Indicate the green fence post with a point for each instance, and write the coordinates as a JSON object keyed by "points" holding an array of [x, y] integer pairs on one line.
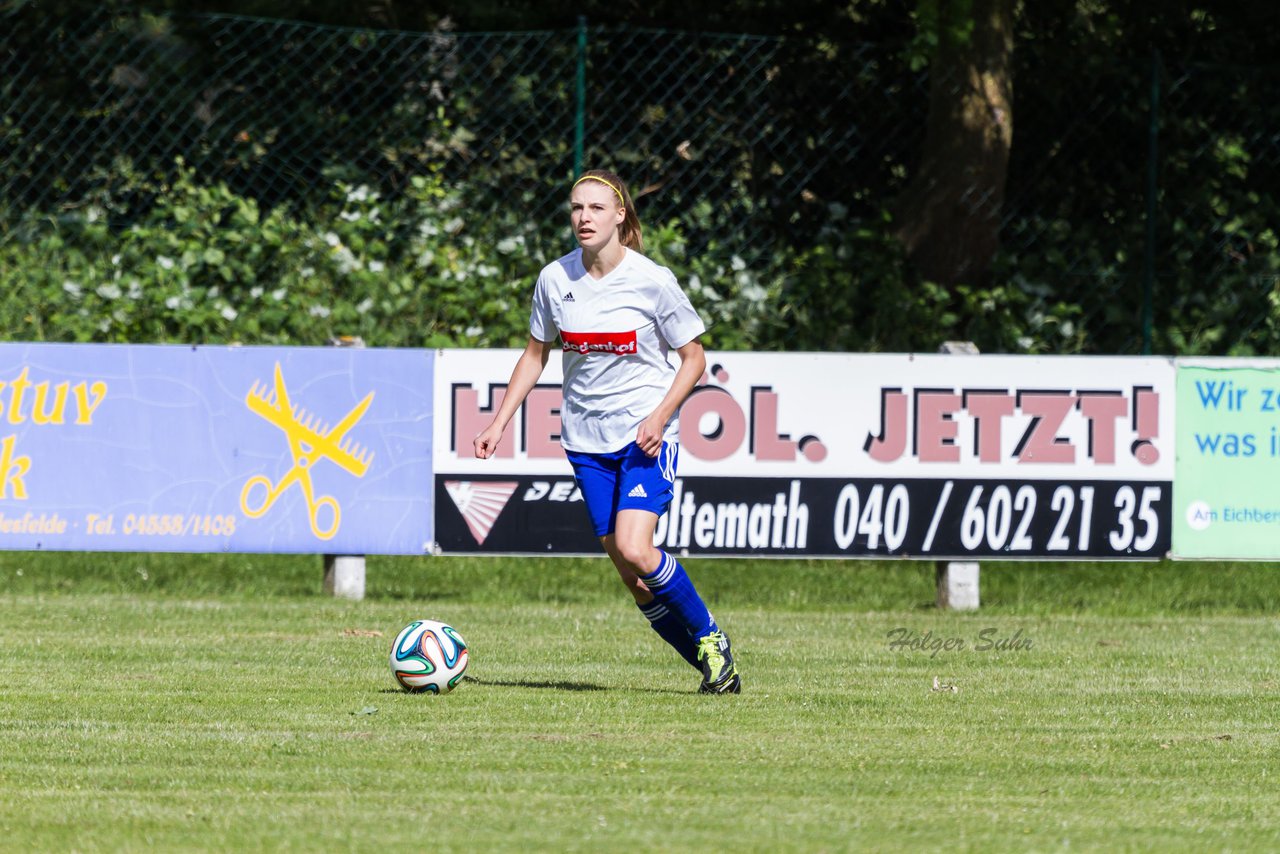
{"points": [[580, 107], [1149, 254]]}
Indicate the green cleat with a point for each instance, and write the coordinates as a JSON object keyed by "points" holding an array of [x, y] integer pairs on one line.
{"points": [[719, 675]]}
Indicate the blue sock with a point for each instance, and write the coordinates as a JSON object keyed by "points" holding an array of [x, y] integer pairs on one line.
{"points": [[671, 630], [671, 587]]}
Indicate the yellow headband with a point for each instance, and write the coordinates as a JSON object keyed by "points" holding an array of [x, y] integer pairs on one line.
{"points": [[621, 201]]}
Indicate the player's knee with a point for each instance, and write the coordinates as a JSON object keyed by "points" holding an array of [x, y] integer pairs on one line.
{"points": [[639, 555]]}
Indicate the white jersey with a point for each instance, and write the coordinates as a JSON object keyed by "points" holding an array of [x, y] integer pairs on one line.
{"points": [[616, 332]]}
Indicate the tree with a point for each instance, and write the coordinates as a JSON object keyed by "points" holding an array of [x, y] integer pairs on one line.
{"points": [[949, 215]]}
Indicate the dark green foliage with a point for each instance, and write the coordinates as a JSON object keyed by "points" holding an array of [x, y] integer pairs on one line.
{"points": [[204, 265], [212, 178]]}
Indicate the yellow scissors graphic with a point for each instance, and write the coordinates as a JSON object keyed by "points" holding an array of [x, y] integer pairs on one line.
{"points": [[309, 442]]}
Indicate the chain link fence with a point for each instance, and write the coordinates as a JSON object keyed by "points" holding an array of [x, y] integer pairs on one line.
{"points": [[1138, 208]]}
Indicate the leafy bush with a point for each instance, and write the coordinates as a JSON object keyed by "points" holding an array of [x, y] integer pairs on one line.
{"points": [[201, 264], [204, 265], [192, 261]]}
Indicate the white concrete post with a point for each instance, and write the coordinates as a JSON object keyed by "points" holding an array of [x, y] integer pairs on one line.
{"points": [[958, 585], [958, 580], [344, 574]]}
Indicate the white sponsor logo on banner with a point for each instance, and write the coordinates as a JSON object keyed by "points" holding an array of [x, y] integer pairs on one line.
{"points": [[480, 503]]}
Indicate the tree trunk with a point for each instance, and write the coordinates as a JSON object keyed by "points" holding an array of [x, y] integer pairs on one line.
{"points": [[949, 215]]}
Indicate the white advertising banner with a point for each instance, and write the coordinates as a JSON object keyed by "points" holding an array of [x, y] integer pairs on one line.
{"points": [[844, 454]]}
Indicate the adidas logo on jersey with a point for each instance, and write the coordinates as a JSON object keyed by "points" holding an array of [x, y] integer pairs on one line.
{"points": [[638, 492], [568, 297]]}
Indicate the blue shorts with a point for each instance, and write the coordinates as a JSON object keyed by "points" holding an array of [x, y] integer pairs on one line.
{"points": [[628, 479]]}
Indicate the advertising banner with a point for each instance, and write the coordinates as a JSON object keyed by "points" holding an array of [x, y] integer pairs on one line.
{"points": [[924, 456], [1227, 504], [202, 449]]}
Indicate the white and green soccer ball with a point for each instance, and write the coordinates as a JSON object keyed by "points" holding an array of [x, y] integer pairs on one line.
{"points": [[428, 656]]}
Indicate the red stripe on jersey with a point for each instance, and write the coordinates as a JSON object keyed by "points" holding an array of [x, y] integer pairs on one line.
{"points": [[617, 343]]}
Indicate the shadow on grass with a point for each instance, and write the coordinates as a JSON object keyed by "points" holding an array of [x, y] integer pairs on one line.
{"points": [[564, 685], [554, 686], [560, 685]]}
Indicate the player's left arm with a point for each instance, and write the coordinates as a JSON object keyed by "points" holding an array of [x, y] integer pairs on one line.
{"points": [[693, 361]]}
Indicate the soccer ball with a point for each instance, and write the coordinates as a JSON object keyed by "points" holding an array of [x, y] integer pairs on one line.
{"points": [[428, 655]]}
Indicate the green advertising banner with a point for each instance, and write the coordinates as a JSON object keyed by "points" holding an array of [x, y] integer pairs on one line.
{"points": [[1226, 484]]}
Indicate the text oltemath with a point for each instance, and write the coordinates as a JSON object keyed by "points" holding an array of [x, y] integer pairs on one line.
{"points": [[989, 639]]}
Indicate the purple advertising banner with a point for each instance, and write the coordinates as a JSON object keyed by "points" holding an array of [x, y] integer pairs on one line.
{"points": [[204, 449]]}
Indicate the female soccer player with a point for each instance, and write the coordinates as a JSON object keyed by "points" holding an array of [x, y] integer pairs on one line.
{"points": [[617, 315]]}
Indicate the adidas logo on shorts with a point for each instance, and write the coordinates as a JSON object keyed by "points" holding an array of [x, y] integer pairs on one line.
{"points": [[638, 492]]}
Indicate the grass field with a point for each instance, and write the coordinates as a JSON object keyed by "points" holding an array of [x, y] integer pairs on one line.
{"points": [[155, 702]]}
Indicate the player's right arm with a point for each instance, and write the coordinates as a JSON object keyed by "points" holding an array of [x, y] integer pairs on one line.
{"points": [[523, 378]]}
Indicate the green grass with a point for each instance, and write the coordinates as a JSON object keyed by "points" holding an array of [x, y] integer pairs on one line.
{"points": [[160, 702]]}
